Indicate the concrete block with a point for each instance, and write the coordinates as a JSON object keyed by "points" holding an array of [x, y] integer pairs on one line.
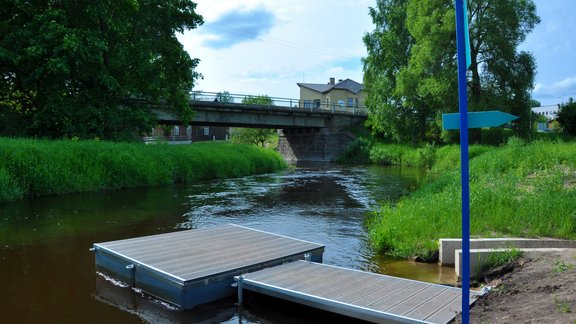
{"points": [[449, 246]]}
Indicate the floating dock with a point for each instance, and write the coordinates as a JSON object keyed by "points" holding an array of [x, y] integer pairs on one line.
{"points": [[193, 267], [367, 296]]}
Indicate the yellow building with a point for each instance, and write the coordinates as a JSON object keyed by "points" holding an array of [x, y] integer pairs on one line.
{"points": [[344, 93]]}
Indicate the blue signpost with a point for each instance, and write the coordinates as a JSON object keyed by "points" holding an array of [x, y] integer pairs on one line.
{"points": [[463, 51], [464, 120]]}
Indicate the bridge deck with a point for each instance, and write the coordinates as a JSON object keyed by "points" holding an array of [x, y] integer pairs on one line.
{"points": [[357, 294], [193, 267]]}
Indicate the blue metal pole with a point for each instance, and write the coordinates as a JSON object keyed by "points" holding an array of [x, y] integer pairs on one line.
{"points": [[464, 167]]}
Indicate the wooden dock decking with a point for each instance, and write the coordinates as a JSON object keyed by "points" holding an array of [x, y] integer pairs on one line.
{"points": [[367, 296], [193, 267]]}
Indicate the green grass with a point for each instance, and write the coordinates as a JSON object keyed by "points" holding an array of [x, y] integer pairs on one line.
{"points": [[39, 167], [561, 266], [519, 189], [561, 305], [496, 259]]}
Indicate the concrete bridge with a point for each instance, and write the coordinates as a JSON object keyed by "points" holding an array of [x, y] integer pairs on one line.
{"points": [[306, 133]]}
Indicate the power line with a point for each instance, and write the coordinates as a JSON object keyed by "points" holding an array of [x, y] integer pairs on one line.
{"points": [[285, 43]]}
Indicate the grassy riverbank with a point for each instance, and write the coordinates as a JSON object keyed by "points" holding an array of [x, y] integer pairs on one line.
{"points": [[38, 167], [519, 189]]}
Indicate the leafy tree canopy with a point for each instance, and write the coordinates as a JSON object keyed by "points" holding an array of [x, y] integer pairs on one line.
{"points": [[258, 100], [257, 136], [68, 68], [410, 71], [567, 117]]}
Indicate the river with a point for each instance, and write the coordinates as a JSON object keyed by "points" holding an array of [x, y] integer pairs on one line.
{"points": [[47, 271]]}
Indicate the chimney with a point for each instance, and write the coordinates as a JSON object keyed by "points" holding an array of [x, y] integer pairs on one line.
{"points": [[340, 80], [332, 81]]}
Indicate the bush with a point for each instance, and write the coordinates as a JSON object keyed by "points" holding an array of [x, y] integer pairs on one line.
{"points": [[357, 152]]}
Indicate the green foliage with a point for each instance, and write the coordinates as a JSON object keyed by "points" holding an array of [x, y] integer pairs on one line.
{"points": [[256, 136], [71, 68], [357, 152], [224, 97], [561, 266], [258, 100], [390, 154], [519, 189], [36, 167], [561, 305], [567, 117], [498, 258], [410, 71]]}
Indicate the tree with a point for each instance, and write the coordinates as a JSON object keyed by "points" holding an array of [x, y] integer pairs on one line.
{"points": [[224, 97], [70, 68], [257, 136], [258, 100], [567, 117], [388, 49], [410, 70]]}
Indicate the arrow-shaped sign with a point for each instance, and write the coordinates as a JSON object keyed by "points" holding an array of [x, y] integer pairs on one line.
{"points": [[477, 119]]}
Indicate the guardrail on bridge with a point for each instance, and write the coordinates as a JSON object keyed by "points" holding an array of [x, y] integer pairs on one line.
{"points": [[312, 105]]}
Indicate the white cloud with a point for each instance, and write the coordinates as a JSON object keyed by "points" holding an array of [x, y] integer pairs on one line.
{"points": [[565, 87], [311, 40]]}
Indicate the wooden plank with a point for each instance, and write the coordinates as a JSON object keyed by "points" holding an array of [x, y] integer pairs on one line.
{"points": [[190, 263], [380, 283], [195, 254], [446, 313], [356, 293], [290, 276], [415, 300], [433, 305]]}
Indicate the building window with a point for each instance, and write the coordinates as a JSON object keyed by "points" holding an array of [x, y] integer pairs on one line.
{"points": [[316, 103], [341, 103], [307, 103], [176, 130], [206, 131], [350, 102]]}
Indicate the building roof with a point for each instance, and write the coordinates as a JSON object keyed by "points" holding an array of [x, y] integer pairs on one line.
{"points": [[347, 84]]}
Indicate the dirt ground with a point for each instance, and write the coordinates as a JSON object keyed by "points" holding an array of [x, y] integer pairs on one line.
{"points": [[541, 288]]}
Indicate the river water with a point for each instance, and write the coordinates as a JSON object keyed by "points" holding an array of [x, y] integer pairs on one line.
{"points": [[47, 272]]}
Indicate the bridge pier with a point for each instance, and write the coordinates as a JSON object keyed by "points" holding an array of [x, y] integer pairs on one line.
{"points": [[312, 144]]}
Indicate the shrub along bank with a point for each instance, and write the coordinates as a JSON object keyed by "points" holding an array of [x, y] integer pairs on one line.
{"points": [[518, 189], [39, 167]]}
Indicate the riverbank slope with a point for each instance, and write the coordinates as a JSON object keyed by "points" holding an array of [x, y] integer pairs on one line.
{"points": [[516, 190], [30, 167]]}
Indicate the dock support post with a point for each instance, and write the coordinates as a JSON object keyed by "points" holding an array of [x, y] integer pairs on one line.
{"points": [[239, 280]]}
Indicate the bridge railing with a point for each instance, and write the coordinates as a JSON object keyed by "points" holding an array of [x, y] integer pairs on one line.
{"points": [[312, 105]]}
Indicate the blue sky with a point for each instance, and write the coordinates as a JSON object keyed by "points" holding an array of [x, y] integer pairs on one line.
{"points": [[266, 47]]}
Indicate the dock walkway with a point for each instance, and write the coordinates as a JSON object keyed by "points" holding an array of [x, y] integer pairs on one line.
{"points": [[193, 267], [363, 295]]}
